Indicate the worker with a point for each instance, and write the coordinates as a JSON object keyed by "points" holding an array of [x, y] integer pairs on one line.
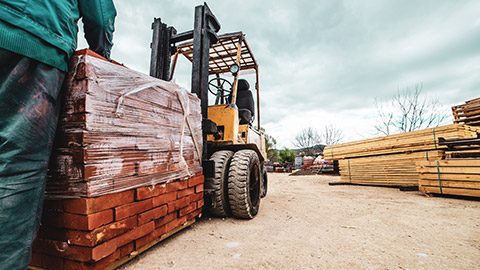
{"points": [[37, 39]]}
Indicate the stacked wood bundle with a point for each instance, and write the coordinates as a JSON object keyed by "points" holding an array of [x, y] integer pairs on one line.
{"points": [[468, 113], [93, 233], [453, 177], [390, 160], [385, 170], [121, 129]]}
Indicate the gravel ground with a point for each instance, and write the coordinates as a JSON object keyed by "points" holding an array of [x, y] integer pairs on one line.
{"points": [[304, 223]]}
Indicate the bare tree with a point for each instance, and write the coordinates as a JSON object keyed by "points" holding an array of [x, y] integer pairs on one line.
{"points": [[407, 111], [308, 140], [331, 135]]}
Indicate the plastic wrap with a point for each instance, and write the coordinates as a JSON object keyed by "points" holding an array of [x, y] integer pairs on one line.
{"points": [[121, 129]]}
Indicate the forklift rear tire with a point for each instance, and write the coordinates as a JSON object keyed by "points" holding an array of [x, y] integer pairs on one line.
{"points": [[264, 183], [244, 181], [218, 206]]}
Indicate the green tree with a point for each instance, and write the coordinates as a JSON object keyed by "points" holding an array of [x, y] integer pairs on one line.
{"points": [[270, 146], [286, 155]]}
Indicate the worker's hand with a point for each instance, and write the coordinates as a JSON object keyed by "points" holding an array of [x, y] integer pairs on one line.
{"points": [[98, 20]]}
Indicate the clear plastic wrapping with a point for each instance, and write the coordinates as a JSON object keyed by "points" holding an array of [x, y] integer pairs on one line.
{"points": [[121, 129]]}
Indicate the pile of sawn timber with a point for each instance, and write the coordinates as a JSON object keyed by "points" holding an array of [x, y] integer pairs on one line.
{"points": [[468, 113], [391, 160], [125, 171], [458, 174]]}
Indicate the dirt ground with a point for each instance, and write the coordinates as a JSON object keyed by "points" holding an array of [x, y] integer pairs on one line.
{"points": [[304, 223]]}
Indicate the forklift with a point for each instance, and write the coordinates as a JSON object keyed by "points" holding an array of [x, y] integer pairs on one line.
{"points": [[233, 148]]}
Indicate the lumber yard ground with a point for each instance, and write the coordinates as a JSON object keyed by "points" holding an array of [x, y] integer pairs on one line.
{"points": [[304, 223]]}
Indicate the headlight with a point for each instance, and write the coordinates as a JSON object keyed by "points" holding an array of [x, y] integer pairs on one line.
{"points": [[234, 69]]}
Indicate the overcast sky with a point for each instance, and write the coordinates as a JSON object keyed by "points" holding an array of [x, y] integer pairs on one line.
{"points": [[325, 61]]}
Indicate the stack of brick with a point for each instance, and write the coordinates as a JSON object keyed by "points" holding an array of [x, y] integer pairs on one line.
{"points": [[93, 233], [121, 129], [125, 171]]}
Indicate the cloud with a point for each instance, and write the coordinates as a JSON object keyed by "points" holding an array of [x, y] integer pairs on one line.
{"points": [[325, 61]]}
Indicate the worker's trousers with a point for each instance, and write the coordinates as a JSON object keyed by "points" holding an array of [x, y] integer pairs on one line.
{"points": [[29, 105]]}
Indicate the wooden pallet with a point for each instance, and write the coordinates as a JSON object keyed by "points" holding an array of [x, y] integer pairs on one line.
{"points": [[453, 177], [468, 113], [421, 140]]}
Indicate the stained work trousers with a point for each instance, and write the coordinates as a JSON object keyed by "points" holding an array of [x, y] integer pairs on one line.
{"points": [[29, 106]]}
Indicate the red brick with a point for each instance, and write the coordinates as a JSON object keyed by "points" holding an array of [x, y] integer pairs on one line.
{"points": [[199, 189], [195, 181], [185, 192], [79, 222], [175, 205], [152, 214], [178, 185], [175, 223], [102, 264], [195, 197], [148, 192], [55, 205], [131, 209], [36, 259], [166, 219], [164, 199], [72, 252], [134, 234], [92, 205], [200, 203], [98, 171], [143, 241], [187, 210], [127, 249], [52, 262], [102, 234], [194, 214]]}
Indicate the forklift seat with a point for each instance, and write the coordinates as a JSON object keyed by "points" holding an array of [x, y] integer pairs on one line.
{"points": [[245, 102]]}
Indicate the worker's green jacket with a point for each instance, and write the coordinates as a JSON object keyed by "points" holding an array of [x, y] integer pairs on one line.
{"points": [[46, 30]]}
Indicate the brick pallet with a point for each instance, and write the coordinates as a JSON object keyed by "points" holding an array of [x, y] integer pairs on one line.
{"points": [[468, 113], [93, 233], [121, 129], [125, 171], [453, 177]]}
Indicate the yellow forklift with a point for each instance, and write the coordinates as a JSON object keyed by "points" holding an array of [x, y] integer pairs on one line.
{"points": [[233, 148]]}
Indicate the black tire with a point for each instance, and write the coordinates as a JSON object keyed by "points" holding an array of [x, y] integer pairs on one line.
{"points": [[217, 203], [244, 184], [264, 183]]}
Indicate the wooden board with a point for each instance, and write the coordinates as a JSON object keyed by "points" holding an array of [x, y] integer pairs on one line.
{"points": [[453, 176], [421, 140], [467, 113], [387, 170]]}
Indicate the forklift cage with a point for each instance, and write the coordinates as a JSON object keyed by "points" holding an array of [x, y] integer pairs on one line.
{"points": [[231, 48]]}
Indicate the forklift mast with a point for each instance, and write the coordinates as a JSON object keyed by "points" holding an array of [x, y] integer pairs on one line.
{"points": [[204, 35]]}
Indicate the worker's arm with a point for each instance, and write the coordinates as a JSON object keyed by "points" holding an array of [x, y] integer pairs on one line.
{"points": [[98, 21]]}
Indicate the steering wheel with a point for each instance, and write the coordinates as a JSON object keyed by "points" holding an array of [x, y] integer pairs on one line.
{"points": [[221, 88]]}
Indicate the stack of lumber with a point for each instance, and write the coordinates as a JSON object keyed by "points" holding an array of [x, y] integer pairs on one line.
{"points": [[468, 113], [93, 233], [390, 160], [125, 171], [385, 170], [121, 129], [453, 177]]}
